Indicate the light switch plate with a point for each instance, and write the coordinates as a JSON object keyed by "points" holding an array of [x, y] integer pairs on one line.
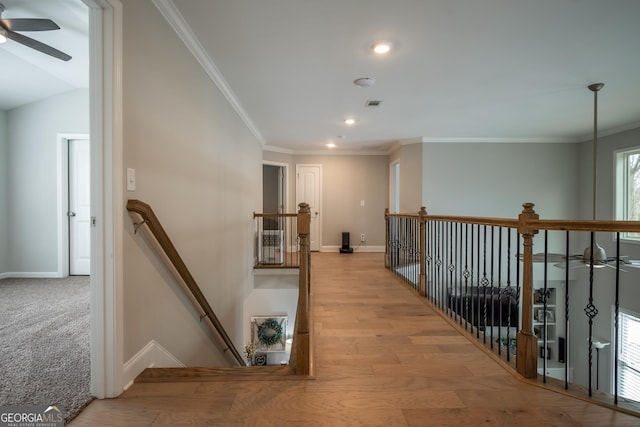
{"points": [[131, 179]]}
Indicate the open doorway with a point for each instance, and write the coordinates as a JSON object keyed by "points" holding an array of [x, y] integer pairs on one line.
{"points": [[274, 187]]}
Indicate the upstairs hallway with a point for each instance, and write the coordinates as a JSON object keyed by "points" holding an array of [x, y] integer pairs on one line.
{"points": [[383, 357]]}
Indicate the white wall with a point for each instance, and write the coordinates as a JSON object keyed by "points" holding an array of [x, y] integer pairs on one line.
{"points": [[482, 179], [32, 175], [277, 297], [200, 169], [4, 196]]}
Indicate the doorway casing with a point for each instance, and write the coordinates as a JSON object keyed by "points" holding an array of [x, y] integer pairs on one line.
{"points": [[107, 205]]}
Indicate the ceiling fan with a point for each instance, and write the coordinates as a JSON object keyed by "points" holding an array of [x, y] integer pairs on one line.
{"points": [[8, 28], [578, 260]]}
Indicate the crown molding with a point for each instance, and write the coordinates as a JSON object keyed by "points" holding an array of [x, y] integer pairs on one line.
{"points": [[179, 25]]}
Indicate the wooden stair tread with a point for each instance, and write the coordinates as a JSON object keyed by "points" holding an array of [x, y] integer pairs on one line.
{"points": [[205, 374]]}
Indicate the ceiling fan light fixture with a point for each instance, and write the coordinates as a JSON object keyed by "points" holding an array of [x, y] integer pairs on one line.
{"points": [[599, 256]]}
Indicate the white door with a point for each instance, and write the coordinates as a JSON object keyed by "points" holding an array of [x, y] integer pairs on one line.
{"points": [[308, 190], [79, 212]]}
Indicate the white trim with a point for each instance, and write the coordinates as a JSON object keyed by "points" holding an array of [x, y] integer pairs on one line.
{"points": [[150, 356], [362, 249], [28, 275], [105, 87], [62, 162], [179, 25]]}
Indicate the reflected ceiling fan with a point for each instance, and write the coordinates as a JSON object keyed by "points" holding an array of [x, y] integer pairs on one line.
{"points": [[578, 261], [8, 28]]}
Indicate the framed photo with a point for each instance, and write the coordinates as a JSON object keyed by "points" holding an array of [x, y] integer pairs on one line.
{"points": [[269, 333], [540, 315], [551, 316]]}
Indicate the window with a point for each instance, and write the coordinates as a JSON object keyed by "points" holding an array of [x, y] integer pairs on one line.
{"points": [[629, 356], [628, 188]]}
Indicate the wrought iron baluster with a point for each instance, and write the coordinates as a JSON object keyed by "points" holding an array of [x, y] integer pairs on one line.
{"points": [[591, 311]]}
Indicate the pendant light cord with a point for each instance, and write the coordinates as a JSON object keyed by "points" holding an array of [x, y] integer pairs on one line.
{"points": [[595, 149], [595, 87]]}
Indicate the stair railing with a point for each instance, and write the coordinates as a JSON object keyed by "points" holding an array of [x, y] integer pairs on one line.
{"points": [[200, 302], [302, 347], [483, 275]]}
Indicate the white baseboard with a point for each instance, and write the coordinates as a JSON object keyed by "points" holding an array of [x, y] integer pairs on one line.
{"points": [[355, 249], [32, 275], [152, 355]]}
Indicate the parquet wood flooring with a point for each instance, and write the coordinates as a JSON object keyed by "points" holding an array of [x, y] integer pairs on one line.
{"points": [[382, 358]]}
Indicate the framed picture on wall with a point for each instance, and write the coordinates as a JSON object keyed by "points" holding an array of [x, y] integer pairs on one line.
{"points": [[269, 333], [551, 316]]}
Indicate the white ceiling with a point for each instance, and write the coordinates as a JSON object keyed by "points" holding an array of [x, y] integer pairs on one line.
{"points": [[27, 75], [461, 70]]}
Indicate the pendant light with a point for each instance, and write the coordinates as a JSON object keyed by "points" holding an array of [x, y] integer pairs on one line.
{"points": [[599, 255]]}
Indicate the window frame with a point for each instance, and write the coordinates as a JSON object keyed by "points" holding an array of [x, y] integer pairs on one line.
{"points": [[621, 190]]}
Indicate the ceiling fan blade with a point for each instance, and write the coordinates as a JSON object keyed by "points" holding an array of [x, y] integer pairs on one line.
{"points": [[29, 24], [39, 46]]}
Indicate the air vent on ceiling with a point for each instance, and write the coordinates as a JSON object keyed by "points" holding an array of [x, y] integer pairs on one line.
{"points": [[373, 103]]}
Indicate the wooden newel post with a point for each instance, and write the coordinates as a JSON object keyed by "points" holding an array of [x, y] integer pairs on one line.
{"points": [[527, 342], [303, 338], [422, 287]]}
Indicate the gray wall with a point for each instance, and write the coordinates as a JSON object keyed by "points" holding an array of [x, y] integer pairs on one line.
{"points": [[604, 278], [411, 172], [346, 180], [4, 196], [200, 169], [32, 176], [495, 179]]}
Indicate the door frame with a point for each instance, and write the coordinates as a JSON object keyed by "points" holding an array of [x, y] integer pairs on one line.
{"points": [[107, 197], [319, 207], [285, 166], [62, 200]]}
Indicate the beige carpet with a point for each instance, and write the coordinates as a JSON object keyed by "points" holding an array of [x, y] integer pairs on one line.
{"points": [[44, 343]]}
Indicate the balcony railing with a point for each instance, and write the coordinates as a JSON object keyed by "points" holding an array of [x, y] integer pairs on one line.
{"points": [[552, 315], [277, 243], [282, 241]]}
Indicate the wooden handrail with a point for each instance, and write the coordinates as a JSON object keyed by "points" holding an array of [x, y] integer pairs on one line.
{"points": [[528, 225], [271, 215], [149, 218]]}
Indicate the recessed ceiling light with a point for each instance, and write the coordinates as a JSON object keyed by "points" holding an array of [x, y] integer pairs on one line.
{"points": [[331, 145], [364, 81], [349, 121], [381, 47]]}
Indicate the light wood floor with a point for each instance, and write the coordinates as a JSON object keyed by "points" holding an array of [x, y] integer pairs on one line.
{"points": [[382, 358]]}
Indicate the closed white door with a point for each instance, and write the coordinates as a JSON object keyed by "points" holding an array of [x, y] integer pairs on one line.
{"points": [[308, 190], [79, 212]]}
